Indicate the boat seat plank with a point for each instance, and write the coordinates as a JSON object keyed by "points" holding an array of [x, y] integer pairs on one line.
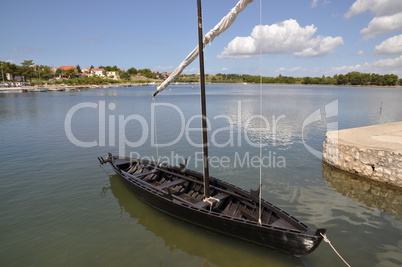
{"points": [[193, 179], [249, 215], [221, 196], [172, 183], [142, 174], [133, 169]]}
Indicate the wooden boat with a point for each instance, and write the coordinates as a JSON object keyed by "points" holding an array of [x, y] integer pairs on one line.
{"points": [[178, 192], [207, 201]]}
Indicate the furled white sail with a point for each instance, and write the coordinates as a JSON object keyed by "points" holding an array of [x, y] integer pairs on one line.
{"points": [[222, 26]]}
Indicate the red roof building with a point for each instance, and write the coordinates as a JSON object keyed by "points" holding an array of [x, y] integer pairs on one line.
{"points": [[66, 68]]}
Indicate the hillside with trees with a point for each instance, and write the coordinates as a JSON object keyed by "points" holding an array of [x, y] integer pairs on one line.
{"points": [[38, 74]]}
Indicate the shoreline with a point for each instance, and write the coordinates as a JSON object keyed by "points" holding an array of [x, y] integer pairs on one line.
{"points": [[60, 87]]}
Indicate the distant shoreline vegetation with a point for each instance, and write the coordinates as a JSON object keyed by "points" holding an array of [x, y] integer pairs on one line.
{"points": [[40, 75], [351, 78]]}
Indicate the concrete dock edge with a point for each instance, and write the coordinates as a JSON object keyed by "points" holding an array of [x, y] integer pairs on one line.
{"points": [[374, 152]]}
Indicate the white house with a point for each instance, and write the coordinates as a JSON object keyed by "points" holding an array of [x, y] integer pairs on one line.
{"points": [[98, 72], [113, 75]]}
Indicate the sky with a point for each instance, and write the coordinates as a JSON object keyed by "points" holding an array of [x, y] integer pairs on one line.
{"points": [[296, 37]]}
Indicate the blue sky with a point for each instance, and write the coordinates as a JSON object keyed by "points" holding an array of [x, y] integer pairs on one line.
{"points": [[299, 37]]}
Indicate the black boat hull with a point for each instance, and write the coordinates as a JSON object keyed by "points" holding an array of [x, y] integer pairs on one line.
{"points": [[289, 241]]}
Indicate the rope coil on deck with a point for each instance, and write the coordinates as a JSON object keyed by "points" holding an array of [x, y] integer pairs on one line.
{"points": [[337, 253]]}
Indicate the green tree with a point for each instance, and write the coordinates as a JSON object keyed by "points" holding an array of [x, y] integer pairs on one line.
{"points": [[306, 80], [390, 79], [10, 68], [147, 73], [46, 73], [132, 71], [59, 72], [26, 71], [354, 78], [375, 79], [70, 72], [110, 68], [125, 76], [341, 79]]}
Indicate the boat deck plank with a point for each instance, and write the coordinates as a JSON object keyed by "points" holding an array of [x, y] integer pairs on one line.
{"points": [[171, 184]]}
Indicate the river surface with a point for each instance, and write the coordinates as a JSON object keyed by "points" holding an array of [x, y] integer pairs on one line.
{"points": [[59, 208]]}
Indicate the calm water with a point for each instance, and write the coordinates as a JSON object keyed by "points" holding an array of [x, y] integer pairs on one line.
{"points": [[58, 208]]}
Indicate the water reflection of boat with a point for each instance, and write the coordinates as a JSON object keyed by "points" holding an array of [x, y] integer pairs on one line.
{"points": [[373, 194], [179, 236]]}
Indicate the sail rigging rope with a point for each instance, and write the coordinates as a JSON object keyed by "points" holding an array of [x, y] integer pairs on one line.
{"points": [[261, 145], [337, 253], [222, 26]]}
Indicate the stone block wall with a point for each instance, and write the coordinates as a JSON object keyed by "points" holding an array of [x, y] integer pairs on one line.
{"points": [[376, 164]]}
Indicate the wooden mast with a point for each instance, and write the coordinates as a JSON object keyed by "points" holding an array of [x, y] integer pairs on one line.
{"points": [[203, 102]]}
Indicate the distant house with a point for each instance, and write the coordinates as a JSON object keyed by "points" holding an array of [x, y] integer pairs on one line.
{"points": [[65, 68], [85, 70], [98, 72], [113, 75], [166, 74]]}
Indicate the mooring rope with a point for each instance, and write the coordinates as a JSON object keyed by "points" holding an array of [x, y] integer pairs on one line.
{"points": [[337, 253], [100, 165]]}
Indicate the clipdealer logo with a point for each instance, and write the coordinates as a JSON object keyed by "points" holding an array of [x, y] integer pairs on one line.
{"points": [[330, 110], [244, 129], [240, 131]]}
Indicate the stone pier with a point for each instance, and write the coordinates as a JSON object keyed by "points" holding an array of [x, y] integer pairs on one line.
{"points": [[374, 152]]}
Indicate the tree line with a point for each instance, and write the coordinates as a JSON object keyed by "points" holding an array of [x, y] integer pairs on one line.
{"points": [[351, 78], [28, 70]]}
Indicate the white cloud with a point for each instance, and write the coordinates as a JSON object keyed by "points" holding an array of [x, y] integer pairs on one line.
{"points": [[297, 70], [384, 24], [164, 68], [388, 16], [391, 46], [360, 53], [383, 66], [286, 37], [378, 7], [315, 3]]}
